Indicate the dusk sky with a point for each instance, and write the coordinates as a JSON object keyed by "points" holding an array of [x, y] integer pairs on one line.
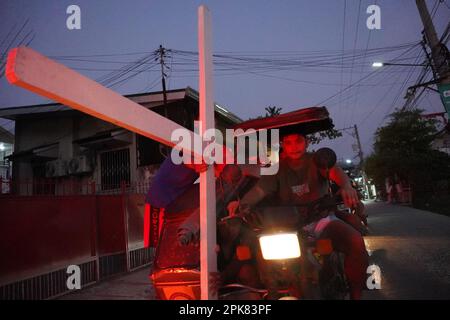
{"points": [[114, 33]]}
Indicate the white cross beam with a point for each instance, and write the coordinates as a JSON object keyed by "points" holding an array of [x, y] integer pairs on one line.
{"points": [[30, 70]]}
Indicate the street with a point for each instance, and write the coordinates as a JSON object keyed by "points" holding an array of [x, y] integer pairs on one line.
{"points": [[410, 246], [132, 286], [89, 114]]}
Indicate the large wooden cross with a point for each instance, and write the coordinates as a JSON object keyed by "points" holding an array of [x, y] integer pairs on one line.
{"points": [[29, 69]]}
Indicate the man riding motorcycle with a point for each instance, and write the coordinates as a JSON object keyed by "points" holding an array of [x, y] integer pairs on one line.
{"points": [[298, 182]]}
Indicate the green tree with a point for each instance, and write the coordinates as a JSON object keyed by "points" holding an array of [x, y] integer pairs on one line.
{"points": [[403, 147], [328, 134], [272, 111], [313, 138]]}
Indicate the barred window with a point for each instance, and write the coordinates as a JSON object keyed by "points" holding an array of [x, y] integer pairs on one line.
{"points": [[115, 168]]}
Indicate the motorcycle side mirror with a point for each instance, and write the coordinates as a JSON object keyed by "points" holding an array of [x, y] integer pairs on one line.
{"points": [[325, 158]]}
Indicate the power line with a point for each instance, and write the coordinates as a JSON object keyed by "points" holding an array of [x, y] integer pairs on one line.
{"points": [[405, 82], [126, 68], [97, 60], [121, 81], [25, 39], [385, 76], [124, 71], [383, 97], [362, 78], [409, 94], [343, 47], [445, 3], [392, 106], [170, 70], [435, 8], [62, 57], [354, 46], [7, 36], [185, 62], [15, 37], [364, 61], [151, 85]]}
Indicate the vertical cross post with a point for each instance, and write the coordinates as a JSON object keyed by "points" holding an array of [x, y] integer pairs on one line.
{"points": [[208, 259], [30, 70]]}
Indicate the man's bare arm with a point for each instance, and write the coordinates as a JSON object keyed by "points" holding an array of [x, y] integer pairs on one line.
{"points": [[348, 193], [255, 195], [251, 198]]}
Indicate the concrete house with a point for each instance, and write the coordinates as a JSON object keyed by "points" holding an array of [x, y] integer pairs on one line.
{"points": [[58, 149], [6, 149]]}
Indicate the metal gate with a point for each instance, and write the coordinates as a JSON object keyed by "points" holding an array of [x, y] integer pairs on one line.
{"points": [[40, 236]]}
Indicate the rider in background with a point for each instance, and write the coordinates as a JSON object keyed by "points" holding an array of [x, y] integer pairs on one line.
{"points": [[174, 190]]}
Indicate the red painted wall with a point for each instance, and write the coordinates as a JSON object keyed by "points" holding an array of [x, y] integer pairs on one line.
{"points": [[111, 229], [40, 234]]}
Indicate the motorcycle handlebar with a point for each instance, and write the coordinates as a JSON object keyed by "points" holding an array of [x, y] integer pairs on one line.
{"points": [[252, 216]]}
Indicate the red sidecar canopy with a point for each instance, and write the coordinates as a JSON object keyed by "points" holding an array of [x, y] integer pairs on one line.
{"points": [[304, 121]]}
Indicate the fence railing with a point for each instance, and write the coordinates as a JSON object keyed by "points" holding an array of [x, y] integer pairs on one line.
{"points": [[67, 188], [101, 234]]}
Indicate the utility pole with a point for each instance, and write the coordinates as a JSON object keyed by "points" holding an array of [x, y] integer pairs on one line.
{"points": [[162, 55], [361, 159], [360, 152], [437, 50], [429, 60], [355, 135], [439, 54]]}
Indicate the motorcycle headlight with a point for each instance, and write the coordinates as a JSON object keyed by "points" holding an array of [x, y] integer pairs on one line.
{"points": [[279, 246]]}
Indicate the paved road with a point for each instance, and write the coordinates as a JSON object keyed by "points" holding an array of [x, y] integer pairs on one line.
{"points": [[410, 246], [412, 249], [132, 286]]}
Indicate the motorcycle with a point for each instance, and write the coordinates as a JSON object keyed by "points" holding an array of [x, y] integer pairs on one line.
{"points": [[291, 262]]}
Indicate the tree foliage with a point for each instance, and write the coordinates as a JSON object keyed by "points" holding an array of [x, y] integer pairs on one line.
{"points": [[328, 134], [404, 148], [313, 138], [272, 111]]}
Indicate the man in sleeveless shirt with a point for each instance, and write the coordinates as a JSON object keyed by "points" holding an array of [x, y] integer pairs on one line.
{"points": [[298, 182]]}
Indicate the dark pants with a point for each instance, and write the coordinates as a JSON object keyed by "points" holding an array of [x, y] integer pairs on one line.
{"points": [[234, 270], [347, 240]]}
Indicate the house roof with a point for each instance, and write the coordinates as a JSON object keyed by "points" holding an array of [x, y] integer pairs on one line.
{"points": [[152, 99], [38, 152]]}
